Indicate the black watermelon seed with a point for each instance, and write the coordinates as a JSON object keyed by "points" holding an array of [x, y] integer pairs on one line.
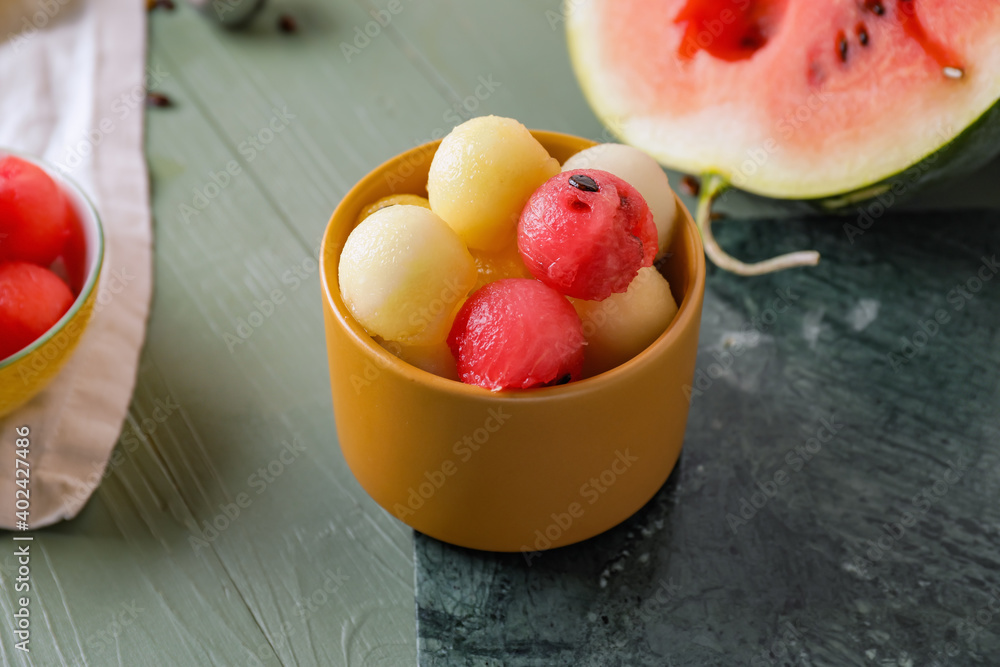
{"points": [[877, 8], [842, 49], [862, 35], [563, 380], [583, 182]]}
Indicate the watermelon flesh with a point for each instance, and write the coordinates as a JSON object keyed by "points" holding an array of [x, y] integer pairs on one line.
{"points": [[825, 98], [586, 241], [792, 99]]}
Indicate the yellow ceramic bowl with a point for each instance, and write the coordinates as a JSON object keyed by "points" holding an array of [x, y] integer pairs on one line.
{"points": [[518, 470], [28, 372]]}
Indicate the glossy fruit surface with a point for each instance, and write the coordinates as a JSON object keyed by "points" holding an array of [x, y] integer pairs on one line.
{"points": [[32, 299], [641, 172], [404, 274], [586, 240], [493, 266], [516, 334], [34, 213], [623, 325], [481, 176]]}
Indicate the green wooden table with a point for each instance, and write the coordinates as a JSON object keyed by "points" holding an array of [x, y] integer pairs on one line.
{"points": [[232, 533]]}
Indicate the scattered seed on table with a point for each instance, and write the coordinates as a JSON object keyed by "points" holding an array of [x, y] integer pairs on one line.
{"points": [[158, 100], [287, 24], [690, 185]]}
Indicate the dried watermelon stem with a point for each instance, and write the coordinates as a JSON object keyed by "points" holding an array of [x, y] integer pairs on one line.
{"points": [[712, 186]]}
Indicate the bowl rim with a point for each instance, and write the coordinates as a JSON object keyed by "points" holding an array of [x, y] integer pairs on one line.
{"points": [[93, 220], [329, 273]]}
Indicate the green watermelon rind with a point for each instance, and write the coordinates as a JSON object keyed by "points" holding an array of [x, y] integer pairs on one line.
{"points": [[972, 148], [975, 145]]}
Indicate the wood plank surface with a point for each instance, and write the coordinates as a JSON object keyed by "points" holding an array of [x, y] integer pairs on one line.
{"points": [[160, 568], [232, 411]]}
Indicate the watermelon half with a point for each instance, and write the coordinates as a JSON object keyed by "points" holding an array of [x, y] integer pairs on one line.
{"points": [[833, 102]]}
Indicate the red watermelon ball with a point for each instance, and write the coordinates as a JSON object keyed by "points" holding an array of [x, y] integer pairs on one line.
{"points": [[32, 299], [586, 233], [34, 213], [517, 333]]}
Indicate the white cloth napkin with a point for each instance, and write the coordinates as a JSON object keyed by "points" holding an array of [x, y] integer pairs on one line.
{"points": [[73, 76]]}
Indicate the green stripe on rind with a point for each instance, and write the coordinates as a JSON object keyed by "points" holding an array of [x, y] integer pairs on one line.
{"points": [[971, 149]]}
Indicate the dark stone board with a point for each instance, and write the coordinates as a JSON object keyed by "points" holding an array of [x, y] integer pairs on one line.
{"points": [[837, 501]]}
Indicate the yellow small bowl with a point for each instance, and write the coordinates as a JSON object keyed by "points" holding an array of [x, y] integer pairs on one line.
{"points": [[30, 370], [517, 470]]}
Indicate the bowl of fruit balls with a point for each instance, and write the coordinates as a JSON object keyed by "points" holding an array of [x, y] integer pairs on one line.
{"points": [[512, 322], [51, 249]]}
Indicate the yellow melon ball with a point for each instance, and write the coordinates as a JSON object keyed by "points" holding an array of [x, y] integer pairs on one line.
{"points": [[481, 176], [623, 325], [493, 266], [404, 274], [392, 200], [436, 358]]}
